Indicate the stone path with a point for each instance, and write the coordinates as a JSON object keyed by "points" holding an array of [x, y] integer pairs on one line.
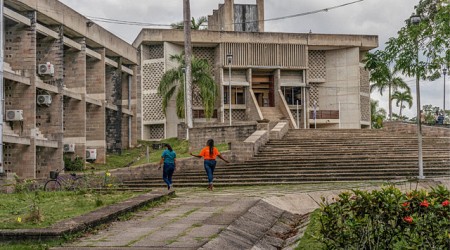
{"points": [[196, 216]]}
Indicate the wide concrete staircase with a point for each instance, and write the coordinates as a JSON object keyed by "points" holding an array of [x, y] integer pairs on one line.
{"points": [[273, 114], [305, 156]]}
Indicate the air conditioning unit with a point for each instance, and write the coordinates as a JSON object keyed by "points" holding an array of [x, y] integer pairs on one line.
{"points": [[69, 148], [46, 69], [91, 155], [44, 100], [14, 115]]}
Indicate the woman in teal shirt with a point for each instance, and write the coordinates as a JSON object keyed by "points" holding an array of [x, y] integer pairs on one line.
{"points": [[168, 157]]}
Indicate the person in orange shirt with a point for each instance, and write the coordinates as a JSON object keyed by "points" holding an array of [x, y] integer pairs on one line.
{"points": [[209, 154]]}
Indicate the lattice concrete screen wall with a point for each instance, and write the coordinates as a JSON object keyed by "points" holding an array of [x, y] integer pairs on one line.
{"points": [[236, 115], [154, 131], [365, 108], [364, 80], [207, 54], [154, 52], [151, 101], [313, 94], [317, 68]]}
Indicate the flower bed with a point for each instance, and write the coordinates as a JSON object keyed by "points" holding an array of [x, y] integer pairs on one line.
{"points": [[387, 219]]}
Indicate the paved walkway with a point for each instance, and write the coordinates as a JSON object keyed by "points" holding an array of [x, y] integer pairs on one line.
{"points": [[197, 216]]}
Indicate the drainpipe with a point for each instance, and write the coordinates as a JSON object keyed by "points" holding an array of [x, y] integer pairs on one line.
{"points": [[129, 108], [1, 86]]}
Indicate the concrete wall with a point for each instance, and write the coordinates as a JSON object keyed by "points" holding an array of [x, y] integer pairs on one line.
{"points": [[78, 89], [219, 133], [411, 128], [342, 85]]}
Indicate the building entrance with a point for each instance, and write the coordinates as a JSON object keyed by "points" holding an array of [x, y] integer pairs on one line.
{"points": [[263, 87]]}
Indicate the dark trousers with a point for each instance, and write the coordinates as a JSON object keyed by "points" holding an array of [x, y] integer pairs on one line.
{"points": [[210, 165], [168, 170]]}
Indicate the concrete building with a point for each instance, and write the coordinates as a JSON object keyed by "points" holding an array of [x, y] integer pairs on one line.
{"points": [[290, 76], [70, 87]]}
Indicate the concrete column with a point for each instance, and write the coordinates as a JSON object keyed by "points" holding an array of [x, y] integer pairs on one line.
{"points": [[260, 6], [95, 114]]}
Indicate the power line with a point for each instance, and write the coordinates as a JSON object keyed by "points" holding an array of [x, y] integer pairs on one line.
{"points": [[125, 22]]}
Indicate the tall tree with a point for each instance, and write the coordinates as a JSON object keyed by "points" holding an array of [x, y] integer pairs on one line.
{"points": [[402, 97], [198, 24], [187, 61], [377, 115], [383, 76], [172, 83], [428, 40]]}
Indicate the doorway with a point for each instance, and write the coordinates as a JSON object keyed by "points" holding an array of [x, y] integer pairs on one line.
{"points": [[263, 87]]}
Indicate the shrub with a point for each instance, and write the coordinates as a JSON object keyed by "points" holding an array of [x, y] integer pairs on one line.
{"points": [[76, 164], [387, 219]]}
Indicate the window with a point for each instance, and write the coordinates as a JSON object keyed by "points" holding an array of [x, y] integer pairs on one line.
{"points": [[292, 95], [237, 97]]}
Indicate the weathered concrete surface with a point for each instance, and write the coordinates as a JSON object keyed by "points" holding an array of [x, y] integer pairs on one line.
{"points": [[257, 217]]}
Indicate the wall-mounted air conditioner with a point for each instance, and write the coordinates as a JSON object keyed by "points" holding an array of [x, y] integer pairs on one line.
{"points": [[14, 115], [44, 99], [91, 155], [46, 69], [69, 148]]}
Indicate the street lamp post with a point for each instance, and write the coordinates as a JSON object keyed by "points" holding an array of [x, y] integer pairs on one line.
{"points": [[415, 20], [444, 72], [229, 61]]}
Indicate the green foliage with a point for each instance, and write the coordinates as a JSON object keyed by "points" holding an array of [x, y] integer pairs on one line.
{"points": [[195, 24], [383, 76], [430, 38], [50, 207], [402, 97], [387, 219], [377, 115], [77, 164], [311, 237], [24, 185], [173, 80]]}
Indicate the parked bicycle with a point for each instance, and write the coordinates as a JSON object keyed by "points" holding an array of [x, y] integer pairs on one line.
{"points": [[59, 182]]}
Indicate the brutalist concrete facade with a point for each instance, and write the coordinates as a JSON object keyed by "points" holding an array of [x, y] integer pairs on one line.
{"points": [[70, 86], [310, 80]]}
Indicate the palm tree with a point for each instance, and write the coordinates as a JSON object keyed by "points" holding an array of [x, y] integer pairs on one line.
{"points": [[173, 82], [401, 97], [376, 115], [383, 76], [195, 25]]}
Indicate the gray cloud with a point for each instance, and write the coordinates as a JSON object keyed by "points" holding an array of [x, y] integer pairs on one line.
{"points": [[374, 17]]}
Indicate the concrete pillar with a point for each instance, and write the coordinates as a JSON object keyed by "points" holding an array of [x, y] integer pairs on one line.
{"points": [[96, 115], [260, 6]]}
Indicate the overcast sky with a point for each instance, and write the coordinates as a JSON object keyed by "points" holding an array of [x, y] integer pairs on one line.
{"points": [[373, 17]]}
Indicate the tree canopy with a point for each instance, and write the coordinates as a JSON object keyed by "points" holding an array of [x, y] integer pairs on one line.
{"points": [[172, 83], [195, 24]]}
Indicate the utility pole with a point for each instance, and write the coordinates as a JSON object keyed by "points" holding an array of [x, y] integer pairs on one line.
{"points": [[187, 60], [2, 27]]}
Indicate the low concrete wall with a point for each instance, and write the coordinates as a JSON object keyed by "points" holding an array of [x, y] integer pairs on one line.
{"points": [[411, 128], [244, 151], [279, 130], [151, 169], [220, 133]]}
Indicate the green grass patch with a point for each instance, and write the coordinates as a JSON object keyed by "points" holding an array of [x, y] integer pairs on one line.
{"points": [[42, 209], [310, 240], [138, 156], [30, 244]]}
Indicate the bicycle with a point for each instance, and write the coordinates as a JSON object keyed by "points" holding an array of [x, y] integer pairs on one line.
{"points": [[58, 182]]}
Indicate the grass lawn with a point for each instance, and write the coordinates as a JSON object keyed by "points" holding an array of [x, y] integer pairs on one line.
{"points": [[309, 240], [16, 210], [137, 156]]}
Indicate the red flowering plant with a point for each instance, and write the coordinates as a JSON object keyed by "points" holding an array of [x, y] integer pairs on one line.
{"points": [[387, 219]]}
